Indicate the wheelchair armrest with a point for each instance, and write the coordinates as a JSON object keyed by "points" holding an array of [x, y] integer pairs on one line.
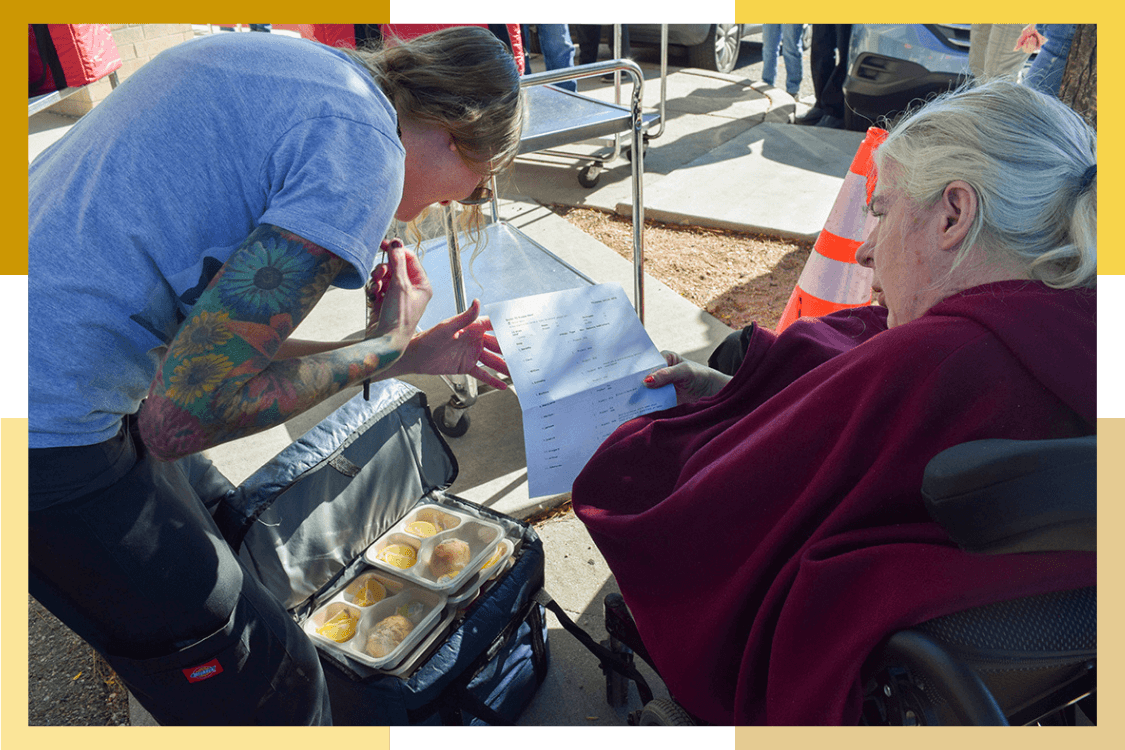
{"points": [[1003, 496]]}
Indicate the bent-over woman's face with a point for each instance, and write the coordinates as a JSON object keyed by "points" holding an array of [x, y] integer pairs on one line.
{"points": [[435, 170]]}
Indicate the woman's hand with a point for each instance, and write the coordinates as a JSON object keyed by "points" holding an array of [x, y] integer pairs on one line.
{"points": [[461, 345], [397, 294], [692, 381]]}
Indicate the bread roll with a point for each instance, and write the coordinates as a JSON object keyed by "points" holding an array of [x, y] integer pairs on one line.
{"points": [[388, 634], [449, 557]]}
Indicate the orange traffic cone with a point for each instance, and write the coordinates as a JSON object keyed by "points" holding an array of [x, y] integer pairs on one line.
{"points": [[831, 279]]}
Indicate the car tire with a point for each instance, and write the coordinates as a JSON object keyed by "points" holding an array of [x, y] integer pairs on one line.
{"points": [[719, 51]]}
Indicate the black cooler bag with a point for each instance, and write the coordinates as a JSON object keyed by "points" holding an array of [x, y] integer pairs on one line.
{"points": [[303, 523]]}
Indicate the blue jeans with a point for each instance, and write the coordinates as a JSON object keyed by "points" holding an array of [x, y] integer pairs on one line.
{"points": [[1047, 68], [558, 49], [788, 37]]}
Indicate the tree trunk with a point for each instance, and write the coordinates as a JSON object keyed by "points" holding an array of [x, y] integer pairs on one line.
{"points": [[1080, 77]]}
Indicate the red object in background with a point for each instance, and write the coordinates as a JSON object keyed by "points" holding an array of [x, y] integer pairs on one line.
{"points": [[68, 55], [405, 31], [332, 34], [39, 78], [86, 50], [343, 35]]}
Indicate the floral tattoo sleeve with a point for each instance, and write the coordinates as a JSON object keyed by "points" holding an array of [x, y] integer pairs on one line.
{"points": [[219, 379]]}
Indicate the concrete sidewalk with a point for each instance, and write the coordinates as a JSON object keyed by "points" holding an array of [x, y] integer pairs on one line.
{"points": [[727, 157]]}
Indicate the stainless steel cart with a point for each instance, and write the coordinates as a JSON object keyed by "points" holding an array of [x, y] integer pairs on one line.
{"points": [[512, 264], [558, 121]]}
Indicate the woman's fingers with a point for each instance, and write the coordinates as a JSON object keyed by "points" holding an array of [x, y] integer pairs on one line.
{"points": [[487, 377], [488, 359]]}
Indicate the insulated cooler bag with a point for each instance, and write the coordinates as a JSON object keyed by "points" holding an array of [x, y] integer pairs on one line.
{"points": [[324, 524]]}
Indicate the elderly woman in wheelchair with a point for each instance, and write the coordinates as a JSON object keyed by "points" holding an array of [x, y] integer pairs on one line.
{"points": [[771, 534]]}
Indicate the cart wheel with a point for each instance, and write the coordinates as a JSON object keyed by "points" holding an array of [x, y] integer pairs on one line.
{"points": [[644, 148], [456, 430], [588, 177], [664, 713]]}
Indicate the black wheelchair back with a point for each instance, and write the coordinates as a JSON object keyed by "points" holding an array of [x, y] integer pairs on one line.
{"points": [[1026, 661]]}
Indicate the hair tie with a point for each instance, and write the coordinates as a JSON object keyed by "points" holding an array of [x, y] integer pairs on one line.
{"points": [[1088, 177]]}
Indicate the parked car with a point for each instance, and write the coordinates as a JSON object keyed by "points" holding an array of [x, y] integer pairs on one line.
{"points": [[891, 66], [713, 46]]}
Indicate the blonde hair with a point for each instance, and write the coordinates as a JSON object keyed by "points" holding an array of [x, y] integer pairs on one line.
{"points": [[1032, 162], [464, 80]]}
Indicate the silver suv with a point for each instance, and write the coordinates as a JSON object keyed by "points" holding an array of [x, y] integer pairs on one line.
{"points": [[891, 66]]}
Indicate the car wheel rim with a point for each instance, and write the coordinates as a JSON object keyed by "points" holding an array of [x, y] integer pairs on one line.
{"points": [[726, 45]]}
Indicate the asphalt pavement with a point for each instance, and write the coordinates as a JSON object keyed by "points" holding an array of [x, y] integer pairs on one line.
{"points": [[726, 156]]}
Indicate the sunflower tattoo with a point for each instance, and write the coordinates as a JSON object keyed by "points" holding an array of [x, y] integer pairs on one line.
{"points": [[219, 380], [205, 332], [196, 377], [266, 279]]}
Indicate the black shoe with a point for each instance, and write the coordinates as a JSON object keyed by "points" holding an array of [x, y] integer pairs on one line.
{"points": [[811, 117], [830, 121]]}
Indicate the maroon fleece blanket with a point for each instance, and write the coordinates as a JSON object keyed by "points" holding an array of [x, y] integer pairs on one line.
{"points": [[766, 539]]}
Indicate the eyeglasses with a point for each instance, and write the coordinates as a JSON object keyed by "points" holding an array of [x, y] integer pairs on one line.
{"points": [[480, 196]]}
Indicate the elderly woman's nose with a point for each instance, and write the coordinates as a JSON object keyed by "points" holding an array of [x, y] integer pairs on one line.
{"points": [[863, 254]]}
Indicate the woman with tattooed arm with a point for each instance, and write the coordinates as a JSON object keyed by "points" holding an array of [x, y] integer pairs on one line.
{"points": [[179, 233]]}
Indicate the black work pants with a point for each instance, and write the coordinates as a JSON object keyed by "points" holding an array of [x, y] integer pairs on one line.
{"points": [[137, 567]]}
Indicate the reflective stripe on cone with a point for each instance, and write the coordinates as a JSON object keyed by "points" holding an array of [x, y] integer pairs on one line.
{"points": [[831, 279]]}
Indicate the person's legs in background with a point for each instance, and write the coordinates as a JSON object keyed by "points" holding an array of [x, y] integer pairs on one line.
{"points": [[822, 61], [558, 49], [992, 50], [589, 42], [791, 51], [831, 97], [1046, 71], [771, 42]]}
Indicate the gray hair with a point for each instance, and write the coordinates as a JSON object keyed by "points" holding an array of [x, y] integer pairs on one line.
{"points": [[1032, 162]]}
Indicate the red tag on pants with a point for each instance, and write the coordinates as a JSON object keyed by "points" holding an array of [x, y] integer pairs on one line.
{"points": [[203, 671]]}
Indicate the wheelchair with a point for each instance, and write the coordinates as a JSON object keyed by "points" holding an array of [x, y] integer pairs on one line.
{"points": [[1020, 662]]}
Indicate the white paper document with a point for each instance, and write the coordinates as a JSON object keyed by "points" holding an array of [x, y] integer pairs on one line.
{"points": [[577, 359]]}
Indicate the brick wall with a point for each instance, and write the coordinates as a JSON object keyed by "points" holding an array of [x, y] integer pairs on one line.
{"points": [[137, 43]]}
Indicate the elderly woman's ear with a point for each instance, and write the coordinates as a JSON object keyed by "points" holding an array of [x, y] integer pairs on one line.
{"points": [[958, 205]]}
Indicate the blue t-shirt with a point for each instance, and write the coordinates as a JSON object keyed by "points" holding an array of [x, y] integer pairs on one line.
{"points": [[134, 211]]}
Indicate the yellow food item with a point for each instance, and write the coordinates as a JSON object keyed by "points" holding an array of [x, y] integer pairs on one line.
{"points": [[399, 555], [421, 528], [496, 555], [450, 556], [370, 593], [441, 521], [340, 627], [388, 634]]}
